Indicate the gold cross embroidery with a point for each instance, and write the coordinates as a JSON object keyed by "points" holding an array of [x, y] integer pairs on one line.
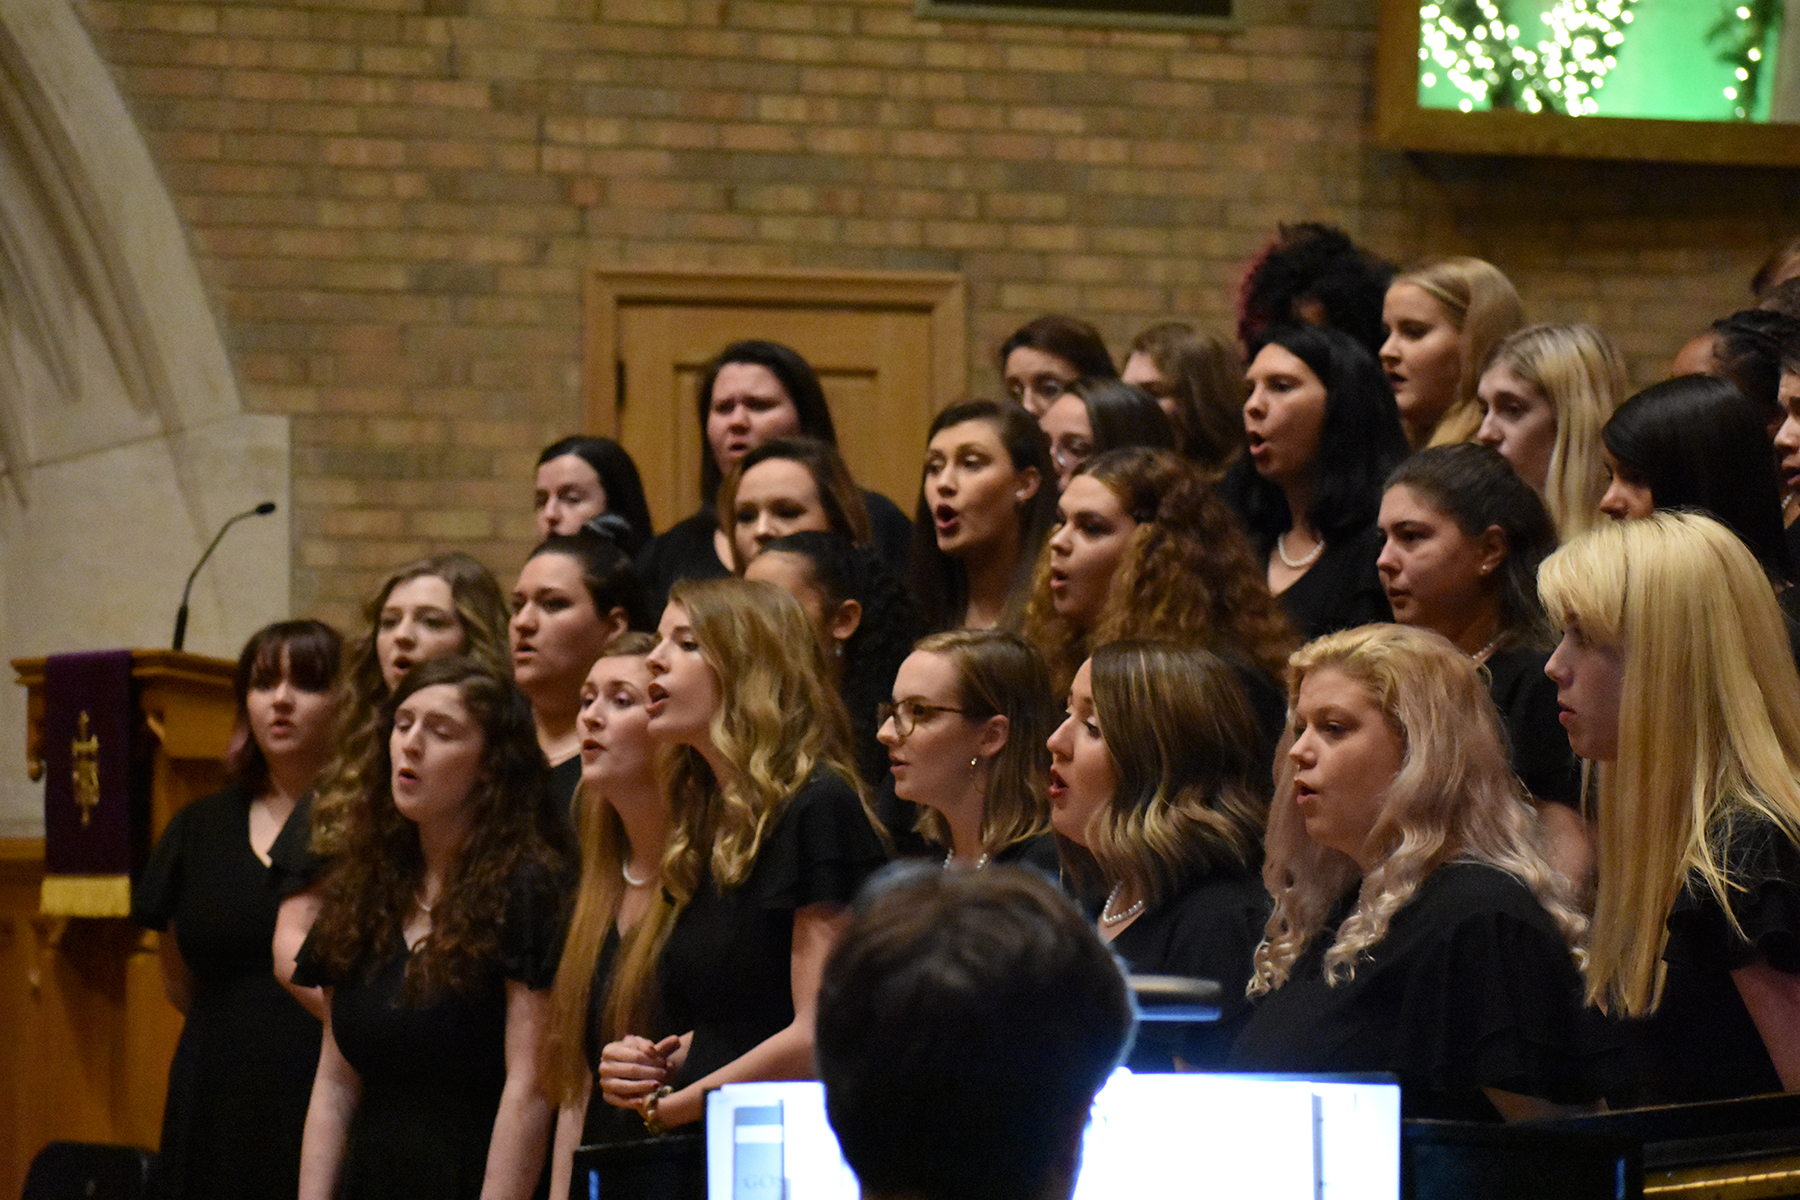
{"points": [[84, 749]]}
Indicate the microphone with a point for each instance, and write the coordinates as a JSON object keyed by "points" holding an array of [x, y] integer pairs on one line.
{"points": [[181, 614]]}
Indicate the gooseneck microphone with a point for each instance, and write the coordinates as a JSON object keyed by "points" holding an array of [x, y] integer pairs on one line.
{"points": [[181, 614]]}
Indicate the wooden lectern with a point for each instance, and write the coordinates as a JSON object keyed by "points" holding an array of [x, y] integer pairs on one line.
{"points": [[89, 1034]]}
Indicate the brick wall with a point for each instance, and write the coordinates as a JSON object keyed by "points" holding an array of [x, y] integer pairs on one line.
{"points": [[392, 202]]}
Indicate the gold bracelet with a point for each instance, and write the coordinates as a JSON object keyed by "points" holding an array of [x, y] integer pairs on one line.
{"points": [[651, 1124]]}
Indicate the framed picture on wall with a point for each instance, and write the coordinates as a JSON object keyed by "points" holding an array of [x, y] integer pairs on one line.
{"points": [[1216, 15]]}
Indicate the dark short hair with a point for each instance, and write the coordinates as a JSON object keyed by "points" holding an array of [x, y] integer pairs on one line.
{"points": [[1747, 350], [965, 1022], [1075, 342], [618, 478], [797, 379], [1696, 443], [313, 651]]}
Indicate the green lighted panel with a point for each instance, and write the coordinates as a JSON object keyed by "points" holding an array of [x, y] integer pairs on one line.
{"points": [[1669, 59]]}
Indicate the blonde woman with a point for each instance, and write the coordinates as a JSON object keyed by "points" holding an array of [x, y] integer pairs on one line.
{"points": [[769, 840], [1418, 927], [1442, 318], [1675, 681], [1544, 395], [622, 819]]}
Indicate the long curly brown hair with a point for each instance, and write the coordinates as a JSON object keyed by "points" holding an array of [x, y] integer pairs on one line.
{"points": [[515, 833], [1187, 575]]}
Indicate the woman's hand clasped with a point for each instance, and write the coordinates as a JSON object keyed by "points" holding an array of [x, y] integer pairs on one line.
{"points": [[633, 1068]]}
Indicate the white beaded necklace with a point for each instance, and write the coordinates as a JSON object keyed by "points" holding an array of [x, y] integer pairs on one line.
{"points": [[1108, 917], [1294, 564]]}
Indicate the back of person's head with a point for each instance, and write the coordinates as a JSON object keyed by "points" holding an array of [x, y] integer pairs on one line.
{"points": [[1203, 377], [1782, 265], [797, 379], [1121, 414], [1696, 443], [1075, 342], [1478, 489], [965, 1022], [1582, 375], [1747, 350], [1314, 272], [1783, 298]]}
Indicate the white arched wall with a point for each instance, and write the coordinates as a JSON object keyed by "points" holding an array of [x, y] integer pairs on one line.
{"points": [[123, 442]]}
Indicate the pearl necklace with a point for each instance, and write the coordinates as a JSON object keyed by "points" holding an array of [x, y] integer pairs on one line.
{"points": [[1294, 564], [979, 863], [1108, 917], [1481, 655]]}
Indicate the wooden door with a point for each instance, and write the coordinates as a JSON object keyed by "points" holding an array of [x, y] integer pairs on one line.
{"points": [[889, 350]]}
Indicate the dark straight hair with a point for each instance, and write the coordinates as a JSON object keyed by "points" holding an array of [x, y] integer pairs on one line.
{"points": [[1697, 444], [797, 379]]}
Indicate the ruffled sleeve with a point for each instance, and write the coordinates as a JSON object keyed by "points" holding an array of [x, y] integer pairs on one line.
{"points": [[1496, 1006], [820, 850], [531, 935], [309, 971], [1763, 865], [158, 887]]}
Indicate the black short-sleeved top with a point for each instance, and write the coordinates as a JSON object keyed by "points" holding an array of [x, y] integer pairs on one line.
{"points": [[243, 1069], [1539, 745], [686, 551], [431, 1076], [725, 971], [1209, 930], [1472, 987], [1342, 589], [1700, 1043]]}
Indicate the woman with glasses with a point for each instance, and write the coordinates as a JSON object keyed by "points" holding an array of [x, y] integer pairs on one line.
{"points": [[965, 738]]}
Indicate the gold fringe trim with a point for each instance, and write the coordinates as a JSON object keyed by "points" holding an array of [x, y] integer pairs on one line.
{"points": [[85, 896]]}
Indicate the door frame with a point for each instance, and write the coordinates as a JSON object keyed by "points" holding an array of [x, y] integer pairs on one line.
{"points": [[605, 290]]}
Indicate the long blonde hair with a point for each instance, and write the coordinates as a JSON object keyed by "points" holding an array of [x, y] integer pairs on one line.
{"points": [[1454, 797], [1709, 725], [779, 721], [605, 849], [1483, 307], [1582, 376]]}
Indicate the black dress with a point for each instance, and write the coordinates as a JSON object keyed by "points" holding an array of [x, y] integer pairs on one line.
{"points": [[431, 1076], [1473, 987], [725, 971], [1209, 930], [1538, 744], [1341, 590], [243, 1070], [1700, 1043], [724, 974]]}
